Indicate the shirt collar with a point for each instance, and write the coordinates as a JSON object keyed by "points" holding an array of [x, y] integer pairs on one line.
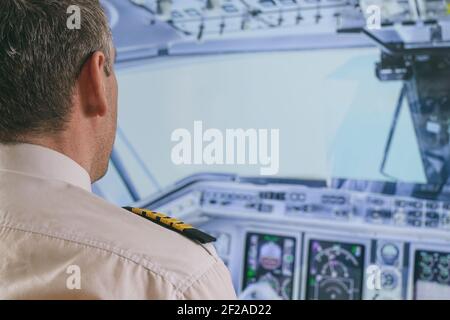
{"points": [[42, 162]]}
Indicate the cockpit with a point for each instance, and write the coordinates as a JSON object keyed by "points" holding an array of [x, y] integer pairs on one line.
{"points": [[311, 138]]}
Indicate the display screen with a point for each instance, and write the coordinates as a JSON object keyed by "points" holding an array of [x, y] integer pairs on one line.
{"points": [[431, 275], [270, 258], [335, 271]]}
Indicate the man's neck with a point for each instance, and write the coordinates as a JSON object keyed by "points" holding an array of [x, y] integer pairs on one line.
{"points": [[68, 147]]}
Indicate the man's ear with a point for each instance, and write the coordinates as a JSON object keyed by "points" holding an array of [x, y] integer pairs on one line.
{"points": [[92, 85]]}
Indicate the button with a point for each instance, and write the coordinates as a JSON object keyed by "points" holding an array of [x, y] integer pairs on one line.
{"points": [[415, 204], [415, 214], [341, 213], [263, 207], [414, 222], [297, 196], [399, 217], [432, 223], [432, 215], [376, 201], [432, 205], [445, 220], [379, 214], [400, 203]]}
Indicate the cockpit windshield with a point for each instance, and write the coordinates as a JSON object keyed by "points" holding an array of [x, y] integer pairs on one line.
{"points": [[333, 116]]}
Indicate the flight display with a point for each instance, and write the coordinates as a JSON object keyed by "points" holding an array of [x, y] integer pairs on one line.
{"points": [[270, 258], [335, 270], [431, 275]]}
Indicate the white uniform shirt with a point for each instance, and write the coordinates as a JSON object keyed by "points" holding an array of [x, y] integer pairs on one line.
{"points": [[60, 241]]}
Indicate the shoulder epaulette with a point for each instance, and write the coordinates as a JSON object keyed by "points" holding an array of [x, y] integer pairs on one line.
{"points": [[173, 224]]}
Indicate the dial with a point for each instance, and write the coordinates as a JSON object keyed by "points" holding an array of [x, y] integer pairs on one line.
{"points": [[333, 289], [389, 280], [389, 253]]}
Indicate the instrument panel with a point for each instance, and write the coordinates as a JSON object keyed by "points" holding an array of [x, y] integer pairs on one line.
{"points": [[313, 242]]}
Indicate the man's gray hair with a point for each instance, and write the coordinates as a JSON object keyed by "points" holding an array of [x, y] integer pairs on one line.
{"points": [[40, 61]]}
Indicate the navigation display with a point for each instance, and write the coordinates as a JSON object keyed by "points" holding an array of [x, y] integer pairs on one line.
{"points": [[335, 270]]}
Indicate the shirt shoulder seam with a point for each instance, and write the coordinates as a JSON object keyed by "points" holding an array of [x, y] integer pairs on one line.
{"points": [[96, 245]]}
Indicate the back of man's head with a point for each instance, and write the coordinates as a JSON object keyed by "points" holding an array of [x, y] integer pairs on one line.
{"points": [[41, 57]]}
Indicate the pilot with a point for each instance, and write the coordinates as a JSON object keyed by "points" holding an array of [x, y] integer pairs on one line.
{"points": [[58, 114]]}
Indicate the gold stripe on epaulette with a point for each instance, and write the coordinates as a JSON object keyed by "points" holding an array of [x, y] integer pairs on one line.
{"points": [[162, 218], [174, 224], [182, 226]]}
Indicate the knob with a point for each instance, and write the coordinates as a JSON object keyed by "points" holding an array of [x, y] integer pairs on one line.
{"points": [[389, 280]]}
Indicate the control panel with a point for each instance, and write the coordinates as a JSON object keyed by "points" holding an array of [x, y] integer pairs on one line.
{"points": [[303, 241]]}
